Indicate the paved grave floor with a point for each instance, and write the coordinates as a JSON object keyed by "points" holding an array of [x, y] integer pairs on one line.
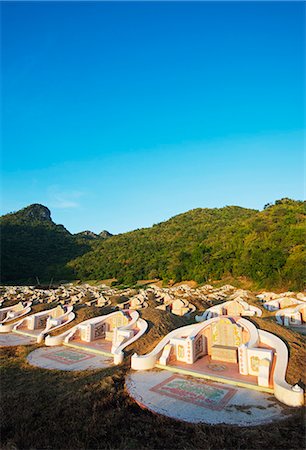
{"points": [[65, 358], [13, 339], [196, 400]]}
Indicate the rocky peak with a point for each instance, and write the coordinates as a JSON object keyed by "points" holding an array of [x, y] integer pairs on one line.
{"points": [[88, 234], [36, 212], [91, 235], [105, 234]]}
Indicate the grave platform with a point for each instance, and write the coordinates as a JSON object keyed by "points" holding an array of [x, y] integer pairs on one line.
{"points": [[197, 400], [30, 333], [64, 358], [98, 346], [220, 371], [12, 339]]}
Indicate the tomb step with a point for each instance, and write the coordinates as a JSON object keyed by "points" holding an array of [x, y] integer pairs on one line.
{"points": [[239, 383], [25, 333], [89, 349]]}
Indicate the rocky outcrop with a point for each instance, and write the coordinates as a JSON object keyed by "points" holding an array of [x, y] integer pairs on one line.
{"points": [[35, 212], [105, 234], [91, 235], [87, 234]]}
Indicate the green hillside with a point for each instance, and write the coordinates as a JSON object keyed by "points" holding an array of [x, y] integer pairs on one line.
{"points": [[268, 247], [207, 244], [32, 245]]}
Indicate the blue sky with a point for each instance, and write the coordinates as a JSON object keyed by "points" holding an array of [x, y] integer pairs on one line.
{"points": [[120, 115]]}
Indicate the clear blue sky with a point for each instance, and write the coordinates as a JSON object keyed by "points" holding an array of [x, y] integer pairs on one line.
{"points": [[120, 115]]}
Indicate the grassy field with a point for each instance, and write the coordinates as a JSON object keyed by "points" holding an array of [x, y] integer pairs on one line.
{"points": [[50, 409]]}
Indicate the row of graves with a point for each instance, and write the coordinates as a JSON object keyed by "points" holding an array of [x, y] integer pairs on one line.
{"points": [[35, 326], [71, 294], [219, 358], [103, 336], [235, 307], [226, 347], [177, 300], [205, 293], [289, 308], [68, 293], [169, 301], [136, 302]]}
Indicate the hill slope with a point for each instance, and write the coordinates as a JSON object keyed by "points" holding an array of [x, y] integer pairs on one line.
{"points": [[32, 245], [203, 244]]}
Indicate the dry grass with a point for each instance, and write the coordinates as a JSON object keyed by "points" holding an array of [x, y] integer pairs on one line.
{"points": [[191, 283], [43, 409], [146, 282]]}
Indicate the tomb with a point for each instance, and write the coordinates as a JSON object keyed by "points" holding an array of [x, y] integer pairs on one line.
{"points": [[104, 335], [99, 301], [9, 315], [293, 317], [39, 324], [281, 303], [233, 308], [178, 307], [229, 350], [137, 302]]}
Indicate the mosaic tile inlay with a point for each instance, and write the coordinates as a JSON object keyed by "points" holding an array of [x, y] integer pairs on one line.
{"points": [[201, 393], [66, 356]]}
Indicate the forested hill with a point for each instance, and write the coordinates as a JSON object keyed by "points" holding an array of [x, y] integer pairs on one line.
{"points": [[207, 244], [203, 244], [32, 245]]}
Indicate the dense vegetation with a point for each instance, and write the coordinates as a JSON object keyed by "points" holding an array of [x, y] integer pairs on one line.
{"points": [[206, 244], [203, 244], [34, 246]]}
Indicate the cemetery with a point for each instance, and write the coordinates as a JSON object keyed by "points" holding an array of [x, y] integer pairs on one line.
{"points": [[221, 369], [215, 367]]}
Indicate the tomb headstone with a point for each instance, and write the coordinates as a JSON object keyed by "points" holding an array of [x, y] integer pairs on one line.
{"points": [[227, 333], [234, 308]]}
